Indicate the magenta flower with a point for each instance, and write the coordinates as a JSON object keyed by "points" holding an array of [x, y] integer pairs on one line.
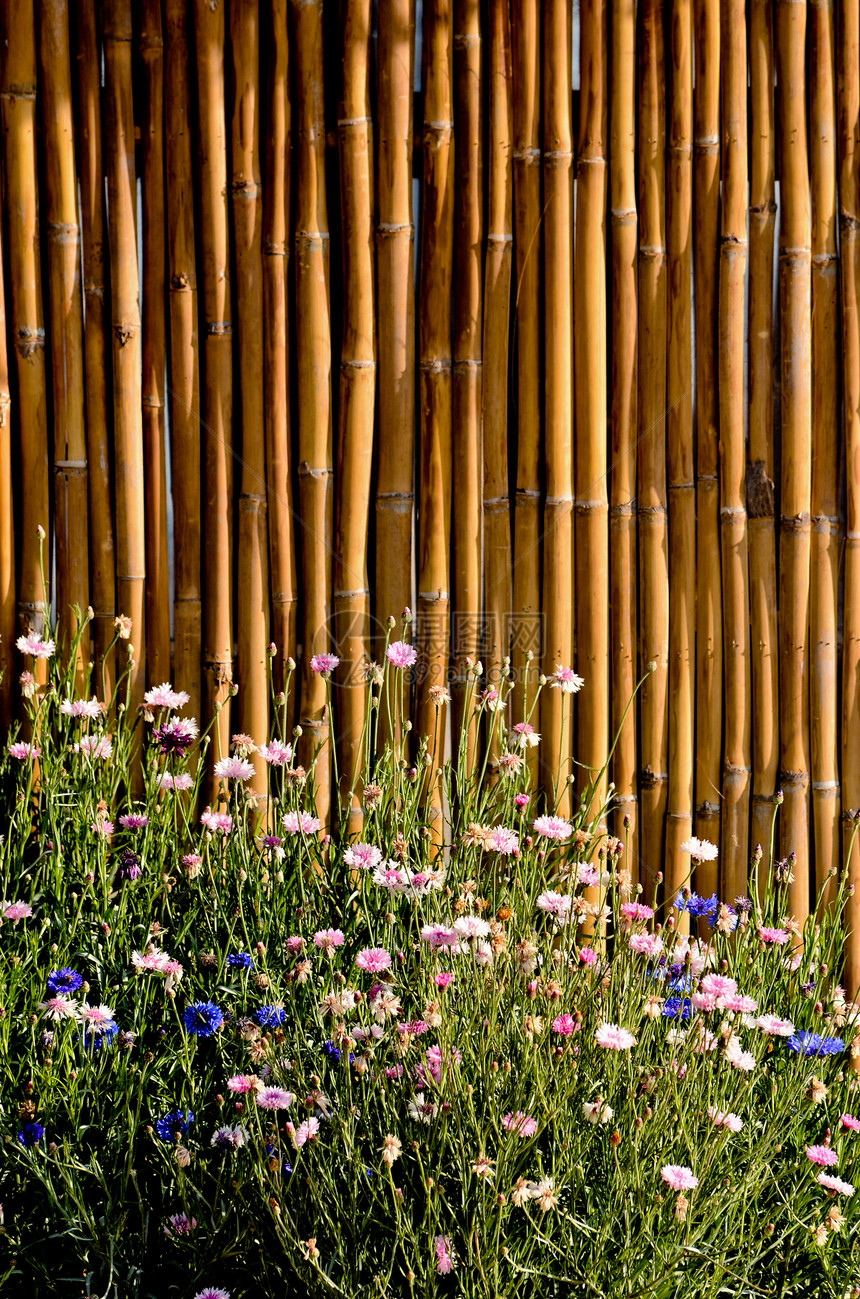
{"points": [[243, 1083], [718, 985], [773, 1026], [439, 936], [103, 827], [773, 937], [523, 1125], [445, 1257], [849, 1122], [566, 680], [556, 904], [614, 1038], [373, 960], [444, 979], [274, 1098], [324, 664], [401, 654], [16, 911], [217, 822], [564, 1024], [521, 801], [212, 1293], [552, 827], [588, 956], [645, 944], [679, 1177], [328, 939], [636, 911], [134, 821], [525, 735], [95, 746], [22, 751], [822, 1155], [301, 822]]}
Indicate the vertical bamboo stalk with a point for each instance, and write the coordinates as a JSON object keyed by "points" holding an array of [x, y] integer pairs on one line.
{"points": [[592, 502], [253, 556], [67, 323], [7, 524], [154, 346], [706, 242], [313, 345], [434, 345], [848, 130], [794, 550], [558, 589], [526, 620], [497, 319], [467, 382], [395, 269], [760, 469], [824, 575], [357, 391], [96, 355], [217, 431], [653, 513], [625, 385], [680, 452], [276, 339], [185, 428], [125, 307], [733, 514], [18, 100]]}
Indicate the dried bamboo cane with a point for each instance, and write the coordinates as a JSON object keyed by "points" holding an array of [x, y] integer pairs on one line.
{"points": [[467, 454], [276, 335], [313, 345], [652, 502], [526, 620], [497, 317], [709, 632], [125, 308], [154, 347], [848, 131], [625, 385], [824, 575], [253, 548], [67, 324], [18, 100], [680, 452], [434, 344], [96, 354], [357, 393], [794, 549], [592, 502], [185, 429], [7, 524], [760, 469], [558, 539], [733, 515], [395, 269], [217, 431]]}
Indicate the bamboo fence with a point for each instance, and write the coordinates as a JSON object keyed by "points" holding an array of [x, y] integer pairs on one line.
{"points": [[553, 338]]}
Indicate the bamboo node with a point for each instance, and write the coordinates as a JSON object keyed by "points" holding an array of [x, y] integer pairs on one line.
{"points": [[560, 500], [351, 595], [588, 507], [306, 471], [825, 259], [354, 121], [251, 503], [63, 232], [496, 502], [653, 511], [707, 809], [312, 236], [437, 366], [760, 500], [732, 769], [434, 597], [26, 90], [796, 522], [707, 143], [388, 228], [464, 40], [274, 249], [648, 778], [652, 252], [557, 155], [825, 523], [532, 494], [246, 189], [5, 405], [500, 239], [762, 799], [849, 224], [768, 209], [624, 799], [624, 216], [682, 486], [624, 509], [349, 363], [526, 155], [180, 281], [733, 511], [219, 328], [794, 256], [831, 787], [463, 367], [221, 669], [70, 464], [152, 403], [796, 779], [28, 341], [125, 332]]}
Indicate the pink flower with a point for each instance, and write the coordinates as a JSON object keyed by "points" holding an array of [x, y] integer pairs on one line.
{"points": [[849, 1122], [235, 769], [373, 960], [614, 1038], [564, 1024], [21, 751], [700, 849], [102, 826], [294, 944], [445, 1258], [724, 1119], [212, 1293], [179, 1224], [718, 985], [636, 911], [182, 781], [39, 649], [556, 904], [274, 1098], [276, 753], [586, 875], [301, 822], [704, 1001], [164, 696], [471, 927], [773, 937], [552, 827], [306, 1131], [566, 680], [740, 1004], [329, 939], [439, 936], [503, 840], [645, 944], [521, 1124], [362, 856], [588, 956], [822, 1155], [521, 801], [243, 1083], [525, 736], [773, 1026], [401, 654], [134, 821], [81, 708], [217, 822], [679, 1177], [95, 746], [444, 980], [16, 911], [324, 664], [60, 1007], [833, 1183]]}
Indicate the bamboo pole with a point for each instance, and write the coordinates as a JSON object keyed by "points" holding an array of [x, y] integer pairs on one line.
{"points": [[794, 549], [313, 345], [652, 502], [125, 309], [824, 574], [8, 511], [18, 100], [395, 268], [276, 340], [497, 320], [680, 452], [96, 354], [592, 501], [434, 346], [848, 132], [67, 325], [558, 539], [185, 429], [733, 515], [760, 469], [253, 546], [357, 393], [467, 455], [526, 619], [625, 385], [709, 632], [217, 431], [154, 346]]}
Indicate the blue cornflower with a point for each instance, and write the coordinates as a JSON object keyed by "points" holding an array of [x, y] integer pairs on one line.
{"points": [[64, 980], [681, 982], [332, 1051], [696, 905], [270, 1016], [31, 1134], [677, 1008], [732, 916], [103, 1038], [242, 959], [807, 1043], [274, 1153], [174, 1125], [203, 1018]]}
